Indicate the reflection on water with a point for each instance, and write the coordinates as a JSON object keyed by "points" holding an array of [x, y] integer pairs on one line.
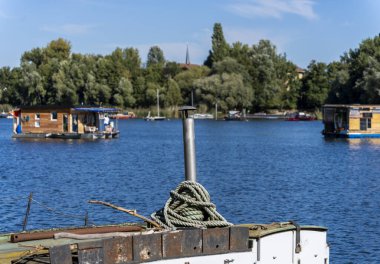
{"points": [[362, 141], [356, 143], [257, 171]]}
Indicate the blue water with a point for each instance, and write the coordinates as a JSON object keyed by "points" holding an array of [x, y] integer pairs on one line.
{"points": [[259, 171]]}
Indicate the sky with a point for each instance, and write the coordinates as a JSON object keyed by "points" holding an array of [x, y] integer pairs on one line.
{"points": [[304, 30]]}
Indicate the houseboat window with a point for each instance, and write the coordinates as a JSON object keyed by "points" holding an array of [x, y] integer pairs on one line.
{"points": [[65, 123], [54, 116], [37, 117], [365, 123]]}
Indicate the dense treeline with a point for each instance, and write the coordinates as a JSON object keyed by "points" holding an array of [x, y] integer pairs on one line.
{"points": [[237, 76]]}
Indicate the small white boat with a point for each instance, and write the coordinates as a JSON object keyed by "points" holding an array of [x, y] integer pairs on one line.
{"points": [[154, 118], [202, 116], [158, 117]]}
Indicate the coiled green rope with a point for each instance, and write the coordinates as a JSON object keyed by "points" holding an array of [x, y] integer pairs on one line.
{"points": [[189, 205]]}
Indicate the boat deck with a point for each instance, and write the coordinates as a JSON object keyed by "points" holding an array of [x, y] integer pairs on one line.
{"points": [[95, 135], [136, 244]]}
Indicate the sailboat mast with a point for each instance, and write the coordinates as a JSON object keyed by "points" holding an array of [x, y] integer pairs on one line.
{"points": [[158, 103]]}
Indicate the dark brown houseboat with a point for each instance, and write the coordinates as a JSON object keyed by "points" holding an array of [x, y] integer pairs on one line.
{"points": [[67, 122]]}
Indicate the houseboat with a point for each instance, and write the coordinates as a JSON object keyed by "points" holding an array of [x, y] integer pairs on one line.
{"points": [[66, 122], [351, 121]]}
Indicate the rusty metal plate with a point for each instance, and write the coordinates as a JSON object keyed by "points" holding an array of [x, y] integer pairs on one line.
{"points": [[216, 240], [182, 243], [147, 247], [117, 250], [60, 255], [239, 237], [91, 252], [172, 244], [191, 242]]}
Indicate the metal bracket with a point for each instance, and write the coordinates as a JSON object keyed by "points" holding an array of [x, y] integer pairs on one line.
{"points": [[298, 236]]}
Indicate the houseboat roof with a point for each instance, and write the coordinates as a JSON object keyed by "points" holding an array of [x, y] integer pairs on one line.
{"points": [[95, 109], [356, 106]]}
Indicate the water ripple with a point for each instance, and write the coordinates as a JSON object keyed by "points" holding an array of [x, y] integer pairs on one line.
{"points": [[255, 172]]}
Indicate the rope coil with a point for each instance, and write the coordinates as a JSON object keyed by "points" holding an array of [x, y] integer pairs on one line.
{"points": [[189, 205]]}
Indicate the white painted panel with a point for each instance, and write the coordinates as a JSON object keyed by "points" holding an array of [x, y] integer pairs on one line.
{"points": [[314, 249], [277, 248], [231, 258]]}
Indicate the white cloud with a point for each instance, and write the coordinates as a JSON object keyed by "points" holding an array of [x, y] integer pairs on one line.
{"points": [[274, 8], [69, 29]]}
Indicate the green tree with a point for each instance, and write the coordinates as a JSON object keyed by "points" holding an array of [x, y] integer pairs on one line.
{"points": [[90, 92], [63, 82], [289, 83], [139, 92], [173, 95], [338, 79], [123, 96], [370, 82], [363, 68], [264, 76], [151, 94], [155, 57], [5, 85], [315, 87], [186, 79], [32, 86], [241, 53], [59, 49], [14, 91], [35, 56], [132, 62], [220, 48], [104, 94], [171, 69], [227, 90]]}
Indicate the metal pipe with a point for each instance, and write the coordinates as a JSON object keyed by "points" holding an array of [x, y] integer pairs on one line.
{"points": [[189, 143]]}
